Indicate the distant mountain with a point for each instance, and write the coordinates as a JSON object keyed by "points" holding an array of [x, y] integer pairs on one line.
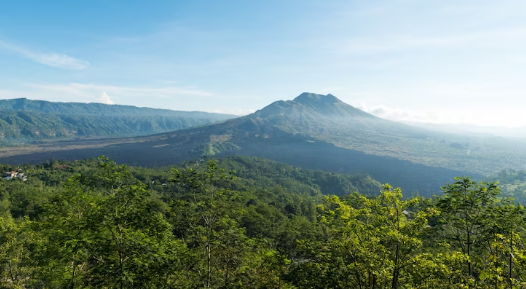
{"points": [[24, 120], [312, 131]]}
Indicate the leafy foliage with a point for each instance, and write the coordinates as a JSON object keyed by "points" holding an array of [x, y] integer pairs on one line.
{"points": [[96, 224]]}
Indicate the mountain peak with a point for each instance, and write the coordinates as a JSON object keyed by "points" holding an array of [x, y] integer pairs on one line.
{"points": [[312, 98], [312, 105]]}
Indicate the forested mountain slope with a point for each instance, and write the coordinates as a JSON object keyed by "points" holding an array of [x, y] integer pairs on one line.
{"points": [[23, 120], [312, 131]]}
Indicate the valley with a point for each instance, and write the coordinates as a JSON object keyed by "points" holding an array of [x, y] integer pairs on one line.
{"points": [[313, 131]]}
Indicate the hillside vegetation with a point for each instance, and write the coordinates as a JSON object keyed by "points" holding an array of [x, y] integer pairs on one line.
{"points": [[255, 172], [512, 183], [23, 120], [97, 224]]}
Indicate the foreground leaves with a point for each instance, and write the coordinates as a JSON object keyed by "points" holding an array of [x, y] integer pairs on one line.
{"points": [[103, 228]]}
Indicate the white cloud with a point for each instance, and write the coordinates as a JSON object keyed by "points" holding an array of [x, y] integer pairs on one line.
{"points": [[51, 59], [121, 91], [396, 114], [239, 112], [60, 60], [105, 98]]}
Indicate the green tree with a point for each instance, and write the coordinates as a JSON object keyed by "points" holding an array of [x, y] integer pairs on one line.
{"points": [[207, 216], [371, 243], [465, 208], [17, 266], [104, 230], [65, 226], [503, 263]]}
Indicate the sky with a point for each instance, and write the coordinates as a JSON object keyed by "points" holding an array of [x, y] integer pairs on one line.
{"points": [[439, 61]]}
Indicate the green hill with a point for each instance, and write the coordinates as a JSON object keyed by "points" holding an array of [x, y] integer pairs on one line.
{"points": [[23, 120]]}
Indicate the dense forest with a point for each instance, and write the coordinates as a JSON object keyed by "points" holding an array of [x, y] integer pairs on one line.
{"points": [[512, 184], [245, 222]]}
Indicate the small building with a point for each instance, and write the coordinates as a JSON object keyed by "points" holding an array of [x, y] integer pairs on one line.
{"points": [[10, 174], [14, 174]]}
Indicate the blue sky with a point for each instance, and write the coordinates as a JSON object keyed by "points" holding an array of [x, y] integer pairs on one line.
{"points": [[444, 61]]}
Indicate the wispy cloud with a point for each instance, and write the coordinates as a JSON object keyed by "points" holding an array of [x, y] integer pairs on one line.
{"points": [[51, 59], [397, 43], [235, 111], [163, 97], [176, 98], [502, 38], [403, 115], [123, 91], [497, 118]]}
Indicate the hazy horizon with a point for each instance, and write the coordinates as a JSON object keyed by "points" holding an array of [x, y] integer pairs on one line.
{"points": [[458, 127]]}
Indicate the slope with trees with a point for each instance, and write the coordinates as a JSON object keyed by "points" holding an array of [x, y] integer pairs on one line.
{"points": [[23, 120], [95, 224]]}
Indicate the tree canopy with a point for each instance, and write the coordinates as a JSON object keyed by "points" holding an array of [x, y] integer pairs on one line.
{"points": [[97, 224]]}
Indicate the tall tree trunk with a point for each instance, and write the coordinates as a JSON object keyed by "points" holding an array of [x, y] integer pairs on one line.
{"points": [[73, 276], [469, 256], [11, 273], [396, 271], [511, 260], [208, 254]]}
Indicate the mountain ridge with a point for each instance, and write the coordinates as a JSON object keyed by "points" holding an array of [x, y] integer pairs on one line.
{"points": [[326, 105], [44, 106], [24, 120], [312, 131]]}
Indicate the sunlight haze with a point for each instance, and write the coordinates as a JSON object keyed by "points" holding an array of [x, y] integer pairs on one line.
{"points": [[413, 61]]}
